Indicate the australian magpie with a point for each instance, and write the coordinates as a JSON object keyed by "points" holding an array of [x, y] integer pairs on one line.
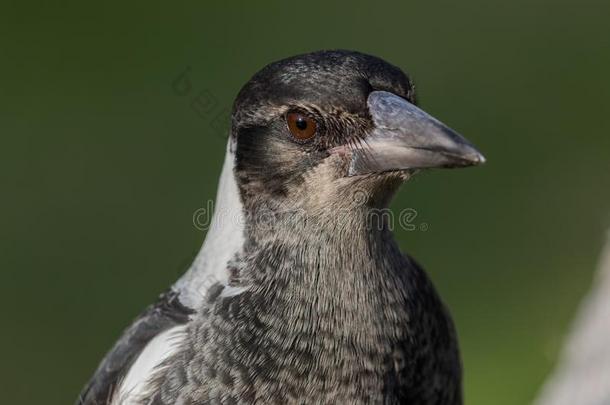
{"points": [[300, 294]]}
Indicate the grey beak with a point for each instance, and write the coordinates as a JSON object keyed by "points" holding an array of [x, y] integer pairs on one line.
{"points": [[406, 137]]}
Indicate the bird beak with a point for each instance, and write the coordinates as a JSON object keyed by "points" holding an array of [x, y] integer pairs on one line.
{"points": [[405, 137]]}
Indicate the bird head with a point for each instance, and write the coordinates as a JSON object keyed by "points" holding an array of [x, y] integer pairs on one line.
{"points": [[335, 129]]}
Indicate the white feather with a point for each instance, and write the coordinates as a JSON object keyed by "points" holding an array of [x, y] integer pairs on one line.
{"points": [[225, 238], [158, 349], [230, 291]]}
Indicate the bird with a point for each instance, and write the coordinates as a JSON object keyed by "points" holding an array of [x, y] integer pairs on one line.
{"points": [[300, 293]]}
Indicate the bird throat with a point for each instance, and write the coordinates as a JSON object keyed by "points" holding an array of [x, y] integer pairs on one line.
{"points": [[323, 305]]}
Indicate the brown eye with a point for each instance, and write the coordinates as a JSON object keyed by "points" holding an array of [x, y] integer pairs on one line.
{"points": [[301, 126]]}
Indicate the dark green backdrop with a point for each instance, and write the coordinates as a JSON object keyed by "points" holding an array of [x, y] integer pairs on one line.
{"points": [[102, 165]]}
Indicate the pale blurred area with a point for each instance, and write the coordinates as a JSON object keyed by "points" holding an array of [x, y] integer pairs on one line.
{"points": [[582, 376]]}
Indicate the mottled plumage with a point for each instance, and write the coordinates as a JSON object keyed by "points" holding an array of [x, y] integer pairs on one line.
{"points": [[317, 304], [158, 317], [322, 322]]}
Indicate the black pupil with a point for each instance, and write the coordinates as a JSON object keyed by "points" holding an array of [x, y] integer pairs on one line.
{"points": [[301, 123]]}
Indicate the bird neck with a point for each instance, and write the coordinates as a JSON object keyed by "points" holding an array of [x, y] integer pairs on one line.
{"points": [[333, 258], [337, 230], [340, 281], [323, 298]]}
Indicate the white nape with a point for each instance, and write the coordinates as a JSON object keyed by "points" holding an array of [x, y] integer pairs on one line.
{"points": [[225, 238]]}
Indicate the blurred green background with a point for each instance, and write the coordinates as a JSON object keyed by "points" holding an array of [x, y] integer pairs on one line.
{"points": [[102, 165]]}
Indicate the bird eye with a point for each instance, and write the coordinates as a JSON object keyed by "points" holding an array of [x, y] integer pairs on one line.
{"points": [[301, 126]]}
